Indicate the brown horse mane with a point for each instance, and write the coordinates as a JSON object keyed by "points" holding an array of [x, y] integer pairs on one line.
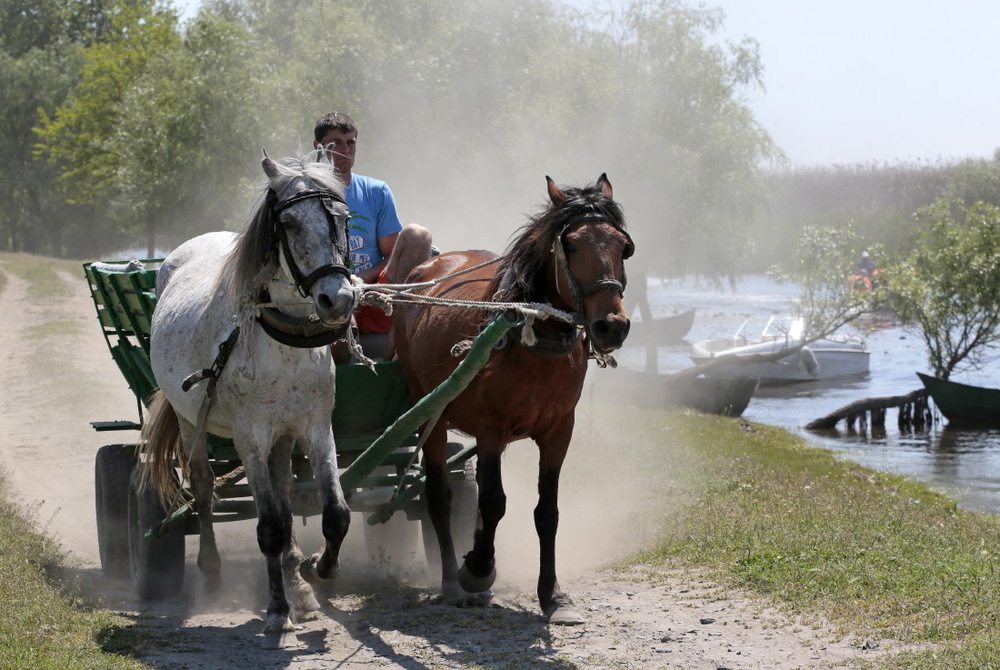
{"points": [[519, 277], [251, 262]]}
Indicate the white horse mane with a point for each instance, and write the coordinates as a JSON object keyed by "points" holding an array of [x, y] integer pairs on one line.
{"points": [[247, 269]]}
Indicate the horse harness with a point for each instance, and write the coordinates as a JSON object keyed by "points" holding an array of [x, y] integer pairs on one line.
{"points": [[303, 333], [567, 337]]}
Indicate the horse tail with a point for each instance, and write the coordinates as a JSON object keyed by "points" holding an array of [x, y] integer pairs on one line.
{"points": [[160, 444]]}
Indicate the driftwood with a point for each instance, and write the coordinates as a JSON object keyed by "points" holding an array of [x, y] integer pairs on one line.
{"points": [[913, 412]]}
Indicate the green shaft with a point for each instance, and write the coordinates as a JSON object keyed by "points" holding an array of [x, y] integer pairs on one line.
{"points": [[430, 404]]}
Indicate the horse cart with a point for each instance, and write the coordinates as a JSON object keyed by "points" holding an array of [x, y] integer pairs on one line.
{"points": [[374, 424]]}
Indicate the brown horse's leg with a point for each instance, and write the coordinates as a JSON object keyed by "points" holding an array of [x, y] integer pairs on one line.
{"points": [[203, 488], [552, 452], [438, 494], [479, 569]]}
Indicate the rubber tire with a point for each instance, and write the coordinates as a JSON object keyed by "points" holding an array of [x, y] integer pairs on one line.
{"points": [[112, 471], [157, 564], [464, 518]]}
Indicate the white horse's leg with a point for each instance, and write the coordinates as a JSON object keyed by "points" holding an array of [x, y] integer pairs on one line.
{"points": [[203, 486], [322, 453], [274, 532], [300, 595]]}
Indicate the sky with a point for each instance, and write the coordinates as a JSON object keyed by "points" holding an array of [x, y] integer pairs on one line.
{"points": [[857, 81], [867, 81]]}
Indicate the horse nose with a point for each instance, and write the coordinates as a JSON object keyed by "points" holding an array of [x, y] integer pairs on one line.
{"points": [[610, 333], [336, 303]]}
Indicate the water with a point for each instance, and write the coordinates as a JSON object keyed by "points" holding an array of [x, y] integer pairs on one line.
{"points": [[964, 464]]}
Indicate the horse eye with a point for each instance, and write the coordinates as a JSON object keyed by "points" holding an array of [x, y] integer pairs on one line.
{"points": [[569, 247]]}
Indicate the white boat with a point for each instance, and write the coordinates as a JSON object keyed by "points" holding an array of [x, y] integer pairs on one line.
{"points": [[832, 357]]}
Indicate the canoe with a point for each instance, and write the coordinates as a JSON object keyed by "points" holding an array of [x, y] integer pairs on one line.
{"points": [[652, 390], [663, 330], [963, 404]]}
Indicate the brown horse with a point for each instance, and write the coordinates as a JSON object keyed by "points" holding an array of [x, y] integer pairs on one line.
{"points": [[570, 256]]}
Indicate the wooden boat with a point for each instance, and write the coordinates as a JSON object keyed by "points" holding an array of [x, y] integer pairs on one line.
{"points": [[828, 358], [963, 404], [652, 390], [663, 330]]}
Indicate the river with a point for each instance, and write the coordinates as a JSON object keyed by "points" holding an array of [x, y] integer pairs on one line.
{"points": [[963, 464]]}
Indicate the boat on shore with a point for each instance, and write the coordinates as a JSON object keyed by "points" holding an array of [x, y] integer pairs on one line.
{"points": [[963, 404], [652, 390], [663, 330], [832, 357]]}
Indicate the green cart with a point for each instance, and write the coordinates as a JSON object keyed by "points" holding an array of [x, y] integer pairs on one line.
{"points": [[374, 425]]}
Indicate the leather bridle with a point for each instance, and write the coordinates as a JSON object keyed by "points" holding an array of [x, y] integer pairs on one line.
{"points": [[577, 292], [338, 237]]}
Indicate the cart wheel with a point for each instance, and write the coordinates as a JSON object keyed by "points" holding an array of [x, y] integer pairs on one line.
{"points": [[157, 564], [464, 517], [112, 469]]}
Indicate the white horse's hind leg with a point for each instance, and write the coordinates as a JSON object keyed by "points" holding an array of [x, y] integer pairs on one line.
{"points": [[203, 488], [300, 595], [319, 568]]}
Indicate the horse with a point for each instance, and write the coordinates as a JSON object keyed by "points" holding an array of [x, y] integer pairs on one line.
{"points": [[570, 255], [273, 296]]}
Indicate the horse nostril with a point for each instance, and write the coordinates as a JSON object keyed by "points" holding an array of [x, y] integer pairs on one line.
{"points": [[324, 303], [600, 328]]}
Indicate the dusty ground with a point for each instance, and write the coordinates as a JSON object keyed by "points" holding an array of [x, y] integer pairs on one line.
{"points": [[56, 376]]}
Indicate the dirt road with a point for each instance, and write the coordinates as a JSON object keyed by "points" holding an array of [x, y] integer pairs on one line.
{"points": [[56, 376]]}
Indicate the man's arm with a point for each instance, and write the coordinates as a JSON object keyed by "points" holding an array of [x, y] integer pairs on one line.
{"points": [[386, 244]]}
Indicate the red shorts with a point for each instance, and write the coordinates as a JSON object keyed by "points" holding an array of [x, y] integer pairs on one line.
{"points": [[371, 319]]}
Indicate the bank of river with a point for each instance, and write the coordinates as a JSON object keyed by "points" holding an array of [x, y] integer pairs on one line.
{"points": [[963, 463]]}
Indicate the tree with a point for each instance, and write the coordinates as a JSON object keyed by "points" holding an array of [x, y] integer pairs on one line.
{"points": [[191, 128], [41, 45], [80, 137], [948, 289], [824, 259]]}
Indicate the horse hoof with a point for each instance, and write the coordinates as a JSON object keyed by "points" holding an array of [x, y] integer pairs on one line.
{"points": [[564, 616], [280, 639], [305, 608], [472, 584], [309, 571]]}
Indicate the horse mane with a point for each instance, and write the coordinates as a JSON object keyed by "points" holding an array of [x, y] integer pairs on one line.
{"points": [[519, 278], [250, 265]]}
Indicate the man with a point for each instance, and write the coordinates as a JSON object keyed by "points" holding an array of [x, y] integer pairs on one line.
{"points": [[382, 250]]}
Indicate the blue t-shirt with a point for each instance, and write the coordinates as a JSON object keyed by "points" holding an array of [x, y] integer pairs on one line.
{"points": [[373, 215]]}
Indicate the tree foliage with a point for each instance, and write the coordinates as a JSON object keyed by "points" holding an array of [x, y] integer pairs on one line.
{"points": [[948, 288], [823, 260]]}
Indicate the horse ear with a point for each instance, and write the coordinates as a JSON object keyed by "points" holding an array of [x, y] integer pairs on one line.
{"points": [[270, 167], [605, 185], [555, 195]]}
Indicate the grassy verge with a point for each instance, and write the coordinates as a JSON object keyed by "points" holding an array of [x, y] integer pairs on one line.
{"points": [[875, 554], [43, 624]]}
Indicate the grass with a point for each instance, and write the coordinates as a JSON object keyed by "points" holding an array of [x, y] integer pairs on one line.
{"points": [[877, 555], [43, 623]]}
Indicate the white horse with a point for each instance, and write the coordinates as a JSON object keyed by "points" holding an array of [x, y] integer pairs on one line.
{"points": [[283, 283]]}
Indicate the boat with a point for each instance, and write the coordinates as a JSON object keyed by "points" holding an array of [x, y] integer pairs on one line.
{"points": [[832, 357], [963, 404], [663, 330], [652, 390]]}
